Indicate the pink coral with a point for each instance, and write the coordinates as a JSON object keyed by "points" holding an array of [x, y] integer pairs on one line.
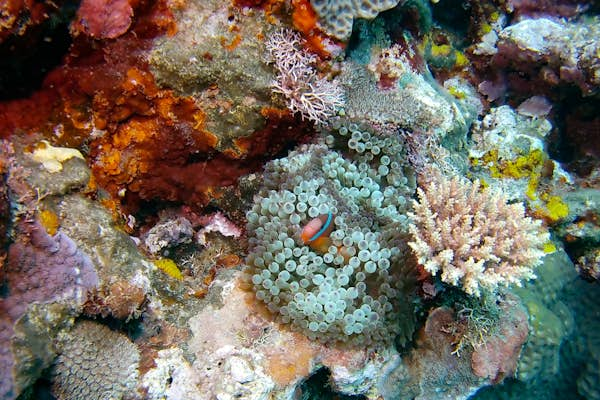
{"points": [[217, 222], [103, 19], [472, 236], [498, 357]]}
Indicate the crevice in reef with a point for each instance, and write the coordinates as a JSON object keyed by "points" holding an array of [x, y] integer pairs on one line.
{"points": [[25, 60]]}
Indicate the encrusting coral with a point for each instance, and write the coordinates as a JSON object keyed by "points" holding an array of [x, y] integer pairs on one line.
{"points": [[472, 236]]}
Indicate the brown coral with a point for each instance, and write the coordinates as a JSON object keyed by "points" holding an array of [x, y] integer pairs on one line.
{"points": [[121, 300]]}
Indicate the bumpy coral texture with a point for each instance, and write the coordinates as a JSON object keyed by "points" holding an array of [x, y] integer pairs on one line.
{"points": [[472, 236], [356, 288], [43, 268], [96, 363], [337, 16], [313, 97]]}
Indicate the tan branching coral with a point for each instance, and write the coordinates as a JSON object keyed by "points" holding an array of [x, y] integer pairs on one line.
{"points": [[472, 236]]}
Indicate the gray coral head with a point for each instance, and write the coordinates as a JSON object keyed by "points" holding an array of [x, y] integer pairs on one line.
{"points": [[95, 363], [337, 16]]}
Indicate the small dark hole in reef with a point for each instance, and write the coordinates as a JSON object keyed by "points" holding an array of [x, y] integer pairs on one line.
{"points": [[317, 387], [25, 60], [40, 389], [452, 15]]}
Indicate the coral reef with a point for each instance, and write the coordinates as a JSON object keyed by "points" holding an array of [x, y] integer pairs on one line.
{"points": [[241, 351], [103, 19], [218, 199], [412, 103], [314, 98], [551, 321], [167, 234], [40, 269], [552, 52], [508, 151], [122, 300], [497, 357], [217, 57]]}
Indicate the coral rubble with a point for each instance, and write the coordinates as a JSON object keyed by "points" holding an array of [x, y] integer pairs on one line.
{"points": [[299, 199]]}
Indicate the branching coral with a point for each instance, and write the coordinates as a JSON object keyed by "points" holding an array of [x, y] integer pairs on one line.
{"points": [[313, 97], [473, 236]]}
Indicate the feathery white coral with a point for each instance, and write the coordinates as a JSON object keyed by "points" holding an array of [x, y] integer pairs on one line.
{"points": [[311, 96], [473, 236]]}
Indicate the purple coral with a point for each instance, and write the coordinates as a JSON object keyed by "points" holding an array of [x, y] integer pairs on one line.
{"points": [[45, 269], [40, 269], [313, 97]]}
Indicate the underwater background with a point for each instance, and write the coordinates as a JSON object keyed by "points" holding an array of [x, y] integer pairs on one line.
{"points": [[299, 199]]}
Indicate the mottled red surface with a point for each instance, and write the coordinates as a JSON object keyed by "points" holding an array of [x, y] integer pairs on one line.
{"points": [[87, 88], [540, 8], [103, 18], [498, 357], [16, 16]]}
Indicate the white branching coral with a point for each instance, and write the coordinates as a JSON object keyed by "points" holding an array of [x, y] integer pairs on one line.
{"points": [[313, 97], [473, 236]]}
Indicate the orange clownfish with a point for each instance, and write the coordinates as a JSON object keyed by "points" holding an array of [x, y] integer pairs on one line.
{"points": [[316, 232]]}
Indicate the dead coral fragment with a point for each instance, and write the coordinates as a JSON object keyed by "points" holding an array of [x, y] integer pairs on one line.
{"points": [[473, 236]]}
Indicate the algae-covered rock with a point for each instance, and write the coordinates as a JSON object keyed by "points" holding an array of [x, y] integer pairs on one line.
{"points": [[55, 170], [33, 344], [92, 227], [216, 56], [413, 103]]}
